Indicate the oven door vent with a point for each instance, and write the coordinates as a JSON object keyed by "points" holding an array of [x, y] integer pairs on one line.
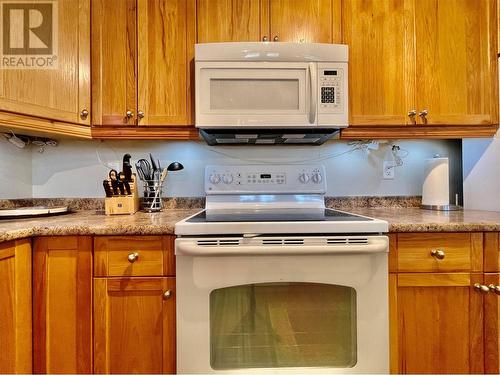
{"points": [[280, 241], [224, 242], [347, 241]]}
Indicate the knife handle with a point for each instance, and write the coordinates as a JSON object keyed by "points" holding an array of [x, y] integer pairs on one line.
{"points": [[114, 185], [107, 188], [121, 187]]}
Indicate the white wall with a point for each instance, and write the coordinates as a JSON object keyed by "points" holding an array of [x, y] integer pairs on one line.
{"points": [[481, 170], [73, 170], [15, 171]]}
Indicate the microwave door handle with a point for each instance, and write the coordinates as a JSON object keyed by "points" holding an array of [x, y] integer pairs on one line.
{"points": [[313, 93]]}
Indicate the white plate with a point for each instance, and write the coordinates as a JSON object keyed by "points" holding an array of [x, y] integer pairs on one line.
{"points": [[33, 211]]}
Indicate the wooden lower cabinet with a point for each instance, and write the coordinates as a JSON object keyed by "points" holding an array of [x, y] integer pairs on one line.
{"points": [[134, 325], [15, 307], [62, 304], [436, 323], [492, 324]]}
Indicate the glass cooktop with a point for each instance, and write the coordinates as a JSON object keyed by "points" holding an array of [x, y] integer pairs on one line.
{"points": [[274, 215]]}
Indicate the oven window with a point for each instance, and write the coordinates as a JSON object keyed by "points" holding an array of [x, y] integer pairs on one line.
{"points": [[254, 94], [283, 325]]}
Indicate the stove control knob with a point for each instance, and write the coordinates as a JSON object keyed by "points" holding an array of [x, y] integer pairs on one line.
{"points": [[227, 178], [214, 179], [317, 178], [304, 178]]}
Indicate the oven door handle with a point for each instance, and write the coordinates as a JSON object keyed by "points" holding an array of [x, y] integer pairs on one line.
{"points": [[313, 87], [190, 248]]}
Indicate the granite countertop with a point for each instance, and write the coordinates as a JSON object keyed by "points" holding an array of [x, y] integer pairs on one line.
{"points": [[410, 219]]}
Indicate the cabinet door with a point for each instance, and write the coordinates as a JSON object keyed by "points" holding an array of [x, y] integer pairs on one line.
{"points": [[114, 62], [438, 323], [62, 305], [228, 21], [166, 50], [15, 307], [63, 92], [381, 60], [134, 325], [309, 21], [456, 64], [492, 324]]}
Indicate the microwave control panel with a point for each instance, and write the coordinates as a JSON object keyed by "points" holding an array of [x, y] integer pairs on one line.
{"points": [[331, 82]]}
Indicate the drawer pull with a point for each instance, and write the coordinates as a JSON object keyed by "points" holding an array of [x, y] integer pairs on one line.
{"points": [[494, 288], [167, 294], [481, 288], [132, 257], [438, 254]]}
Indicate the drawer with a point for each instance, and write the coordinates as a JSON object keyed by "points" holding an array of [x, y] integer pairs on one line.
{"points": [[134, 256], [439, 252]]}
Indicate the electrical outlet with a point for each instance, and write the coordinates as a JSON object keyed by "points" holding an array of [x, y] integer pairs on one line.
{"points": [[388, 171]]}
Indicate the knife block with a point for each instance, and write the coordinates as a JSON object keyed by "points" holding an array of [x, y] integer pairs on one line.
{"points": [[123, 204]]}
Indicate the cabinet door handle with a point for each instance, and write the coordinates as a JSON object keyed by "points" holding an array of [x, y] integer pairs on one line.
{"points": [[412, 114], [132, 257], [423, 115], [438, 254], [167, 294], [84, 113], [140, 114], [494, 288], [483, 289], [264, 38], [129, 114], [276, 39]]}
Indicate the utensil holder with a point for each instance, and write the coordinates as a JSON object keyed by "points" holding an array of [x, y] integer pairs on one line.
{"points": [[123, 204], [151, 201]]}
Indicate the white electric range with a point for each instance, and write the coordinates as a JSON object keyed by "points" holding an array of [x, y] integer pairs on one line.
{"points": [[269, 280]]}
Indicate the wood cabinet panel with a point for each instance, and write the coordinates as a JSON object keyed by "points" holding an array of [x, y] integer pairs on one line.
{"points": [[62, 304], [228, 21], [381, 60], [308, 21], [155, 256], [114, 62], [166, 32], [461, 251], [492, 326], [456, 64], [439, 323], [15, 307], [62, 92], [134, 325]]}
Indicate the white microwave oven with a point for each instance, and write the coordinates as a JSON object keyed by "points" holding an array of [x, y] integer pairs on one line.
{"points": [[271, 85]]}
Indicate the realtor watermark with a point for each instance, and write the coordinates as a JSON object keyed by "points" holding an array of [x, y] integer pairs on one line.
{"points": [[28, 34]]}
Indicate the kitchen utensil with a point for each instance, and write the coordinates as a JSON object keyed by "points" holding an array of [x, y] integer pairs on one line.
{"points": [[144, 169], [175, 166], [158, 186], [107, 188], [153, 163], [121, 187], [113, 176], [127, 168], [123, 179]]}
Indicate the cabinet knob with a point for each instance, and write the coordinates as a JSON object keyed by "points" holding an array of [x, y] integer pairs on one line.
{"points": [[84, 113], [264, 38], [483, 289], [423, 113], [494, 288], [437, 253], [412, 113], [132, 257], [167, 294], [140, 114], [276, 39], [129, 114]]}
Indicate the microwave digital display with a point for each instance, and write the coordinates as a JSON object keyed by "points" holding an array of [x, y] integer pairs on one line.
{"points": [[265, 176], [330, 72]]}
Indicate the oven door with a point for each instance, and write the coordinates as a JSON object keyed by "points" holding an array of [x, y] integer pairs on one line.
{"points": [[255, 94], [283, 307]]}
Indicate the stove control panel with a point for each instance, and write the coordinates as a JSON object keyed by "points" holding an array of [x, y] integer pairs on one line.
{"points": [[265, 179]]}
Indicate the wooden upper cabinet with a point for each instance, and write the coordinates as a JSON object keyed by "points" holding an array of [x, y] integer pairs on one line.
{"points": [[437, 323], [166, 34], [15, 307], [309, 21], [134, 325], [456, 63], [61, 93], [228, 21], [62, 305], [114, 62], [379, 34]]}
